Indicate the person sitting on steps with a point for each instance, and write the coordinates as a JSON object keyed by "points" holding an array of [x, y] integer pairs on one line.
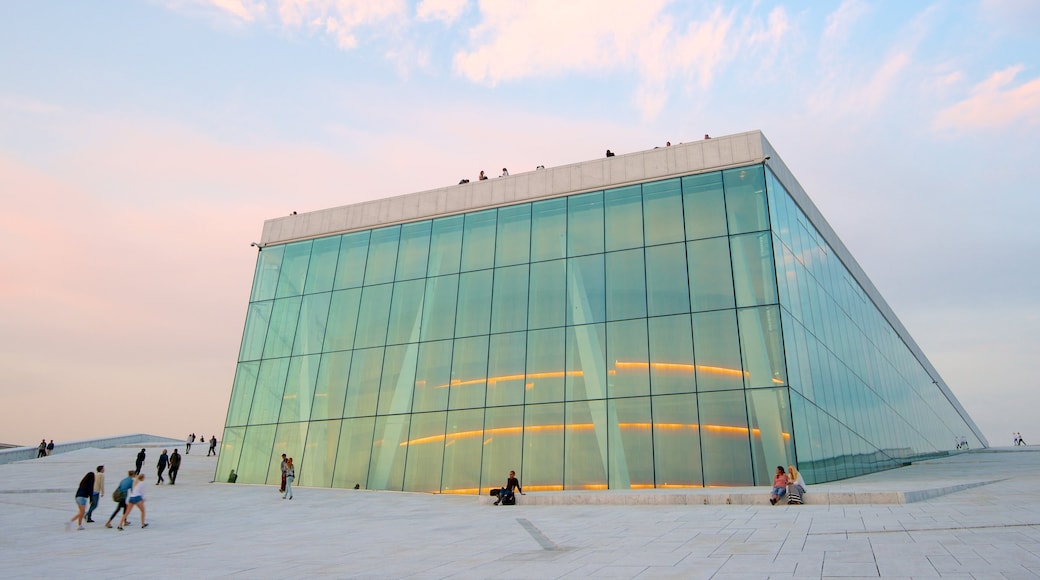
{"points": [[505, 494]]}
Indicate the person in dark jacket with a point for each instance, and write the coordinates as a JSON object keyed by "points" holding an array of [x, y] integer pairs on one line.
{"points": [[212, 446], [83, 493], [164, 461], [175, 466], [140, 462], [507, 491]]}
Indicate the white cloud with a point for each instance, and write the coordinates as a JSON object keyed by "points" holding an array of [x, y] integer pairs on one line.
{"points": [[446, 11], [840, 22], [994, 103]]}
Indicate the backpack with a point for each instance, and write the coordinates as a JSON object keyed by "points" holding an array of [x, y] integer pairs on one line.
{"points": [[118, 496]]}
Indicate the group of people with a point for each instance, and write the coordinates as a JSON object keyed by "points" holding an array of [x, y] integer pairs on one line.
{"points": [[789, 483], [44, 449], [1018, 439], [288, 475], [212, 444], [170, 464], [128, 495]]}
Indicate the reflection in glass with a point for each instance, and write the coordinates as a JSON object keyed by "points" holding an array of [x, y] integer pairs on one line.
{"points": [[585, 443], [711, 279], [630, 443], [425, 447], [354, 452], [507, 355], [677, 447], [724, 439], [382, 255], [625, 285], [662, 212], [294, 269], [503, 447], [543, 447], [586, 363], [623, 214], [585, 224], [330, 389], [628, 359], [545, 363], [704, 206], [478, 240], [717, 351], [468, 373], [386, 470], [548, 229], [321, 272], [514, 235], [672, 368], [353, 255], [762, 349], [462, 450], [319, 455], [445, 246], [667, 286]]}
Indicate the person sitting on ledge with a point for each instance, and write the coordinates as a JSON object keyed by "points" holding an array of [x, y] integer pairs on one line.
{"points": [[505, 494], [780, 482], [610, 153]]}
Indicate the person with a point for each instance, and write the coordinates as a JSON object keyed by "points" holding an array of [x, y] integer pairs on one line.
{"points": [[290, 475], [136, 499], [795, 485], [119, 496], [462, 181], [610, 153], [41, 451], [285, 470], [780, 482], [99, 491], [140, 462], [482, 177], [505, 172], [212, 446], [505, 494], [187, 444], [164, 461], [233, 477], [86, 487], [540, 167], [668, 144], [706, 137], [175, 466], [357, 486], [50, 447]]}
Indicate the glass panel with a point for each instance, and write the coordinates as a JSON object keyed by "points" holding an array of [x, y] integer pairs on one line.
{"points": [[282, 330], [425, 452], [503, 446], [514, 235], [319, 455], [543, 447], [506, 357], [353, 254], [343, 314], [677, 442], [623, 213], [294, 269], [388, 454], [509, 305], [299, 389], [406, 312], [268, 267], [724, 437], [382, 255], [446, 246], [432, 376], [753, 276], [330, 389], [711, 280], [398, 380], [628, 359], [242, 393], [258, 317], [270, 384], [547, 298], [548, 229], [586, 362], [256, 454], [704, 206], [353, 453], [762, 347], [230, 452], [363, 384], [662, 212], [625, 285], [545, 363], [462, 450], [631, 444], [374, 315], [473, 313], [717, 351], [746, 199], [439, 308], [667, 289], [478, 240], [322, 270], [310, 332], [414, 251], [671, 355], [586, 294], [468, 373], [586, 446], [585, 224], [289, 439]]}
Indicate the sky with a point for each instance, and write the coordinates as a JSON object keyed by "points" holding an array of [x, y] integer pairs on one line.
{"points": [[143, 143]]}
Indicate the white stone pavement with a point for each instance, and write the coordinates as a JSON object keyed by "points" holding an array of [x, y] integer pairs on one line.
{"points": [[199, 529]]}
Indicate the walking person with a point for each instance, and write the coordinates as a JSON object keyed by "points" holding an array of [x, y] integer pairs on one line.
{"points": [[99, 491], [140, 462], [188, 442], [175, 466], [285, 470], [505, 494], [290, 475], [86, 487], [164, 462], [136, 499], [212, 446], [119, 496], [41, 451]]}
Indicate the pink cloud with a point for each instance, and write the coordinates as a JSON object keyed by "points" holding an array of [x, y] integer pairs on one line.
{"points": [[994, 103]]}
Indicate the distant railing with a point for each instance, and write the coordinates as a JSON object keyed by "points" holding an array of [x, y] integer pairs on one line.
{"points": [[24, 453]]}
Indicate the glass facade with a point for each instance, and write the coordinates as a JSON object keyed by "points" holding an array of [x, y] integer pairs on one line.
{"points": [[686, 332]]}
